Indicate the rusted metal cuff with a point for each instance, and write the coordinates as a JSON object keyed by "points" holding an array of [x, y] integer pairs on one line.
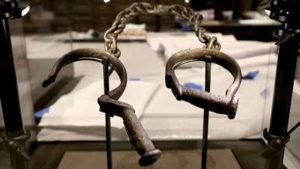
{"points": [[137, 134], [91, 55], [110, 104], [223, 105]]}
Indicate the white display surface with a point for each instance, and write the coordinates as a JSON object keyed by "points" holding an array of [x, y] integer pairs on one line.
{"points": [[162, 116]]}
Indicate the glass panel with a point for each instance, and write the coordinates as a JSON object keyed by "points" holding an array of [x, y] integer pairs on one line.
{"points": [[23, 87], [22, 71], [46, 35], [294, 144], [68, 109], [4, 155]]}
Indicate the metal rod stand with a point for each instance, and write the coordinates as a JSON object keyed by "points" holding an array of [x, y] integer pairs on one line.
{"points": [[106, 75], [10, 100], [287, 13], [206, 117], [283, 91]]}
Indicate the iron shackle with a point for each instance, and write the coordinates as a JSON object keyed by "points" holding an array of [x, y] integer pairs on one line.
{"points": [[136, 132], [91, 55], [220, 104], [109, 103]]}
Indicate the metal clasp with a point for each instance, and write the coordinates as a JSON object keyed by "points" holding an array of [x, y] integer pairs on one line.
{"points": [[213, 44]]}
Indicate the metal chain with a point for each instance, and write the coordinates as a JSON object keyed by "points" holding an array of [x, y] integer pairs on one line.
{"points": [[138, 8]]}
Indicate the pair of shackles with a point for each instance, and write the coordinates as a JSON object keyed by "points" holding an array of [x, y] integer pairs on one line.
{"points": [[109, 102]]}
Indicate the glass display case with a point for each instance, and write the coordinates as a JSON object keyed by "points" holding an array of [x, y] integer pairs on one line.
{"points": [[70, 129], [22, 89], [293, 145]]}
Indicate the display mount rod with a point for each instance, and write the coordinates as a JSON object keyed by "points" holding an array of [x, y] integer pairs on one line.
{"points": [[206, 117], [15, 135], [286, 12], [106, 75]]}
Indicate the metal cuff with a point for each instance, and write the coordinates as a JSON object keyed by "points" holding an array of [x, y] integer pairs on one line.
{"points": [[110, 104], [91, 55], [223, 105]]}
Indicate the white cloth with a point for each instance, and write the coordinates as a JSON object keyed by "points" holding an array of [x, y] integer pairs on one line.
{"points": [[76, 117], [80, 109], [182, 120], [171, 43]]}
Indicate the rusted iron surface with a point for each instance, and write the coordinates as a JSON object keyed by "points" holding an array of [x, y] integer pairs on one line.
{"points": [[223, 105], [137, 134], [109, 103]]}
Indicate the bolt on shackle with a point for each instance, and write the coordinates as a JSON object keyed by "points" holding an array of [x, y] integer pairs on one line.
{"points": [[227, 104], [109, 103]]}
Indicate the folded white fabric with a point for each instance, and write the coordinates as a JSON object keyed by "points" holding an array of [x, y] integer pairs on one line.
{"points": [[259, 60], [76, 116], [182, 120], [48, 134], [80, 108], [170, 43]]}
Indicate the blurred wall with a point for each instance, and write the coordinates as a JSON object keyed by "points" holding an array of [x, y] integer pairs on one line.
{"points": [[81, 15]]}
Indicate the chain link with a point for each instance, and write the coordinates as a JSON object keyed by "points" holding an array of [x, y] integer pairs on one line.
{"points": [[138, 8]]}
